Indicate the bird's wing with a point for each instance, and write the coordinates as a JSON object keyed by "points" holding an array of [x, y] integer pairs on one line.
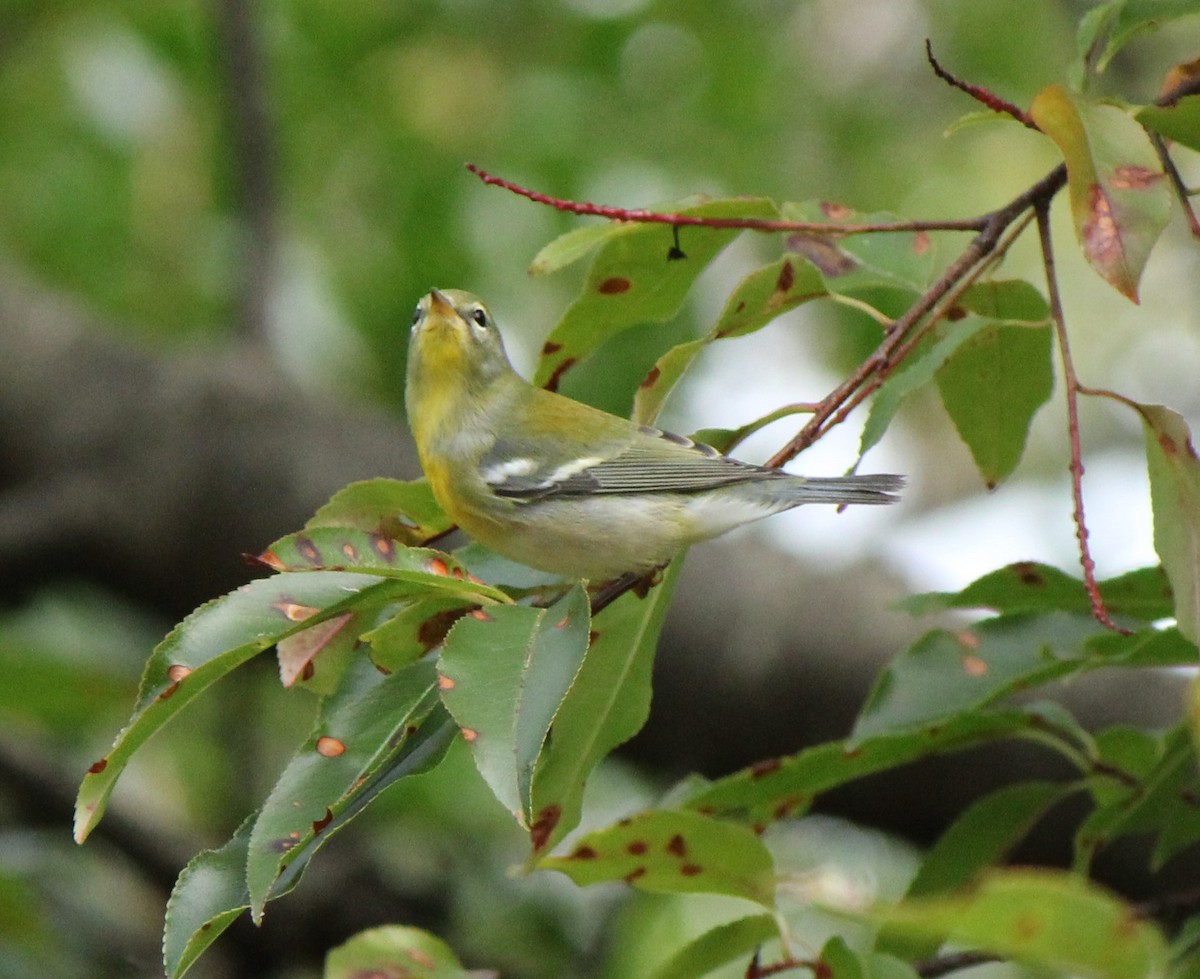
{"points": [[651, 461]]}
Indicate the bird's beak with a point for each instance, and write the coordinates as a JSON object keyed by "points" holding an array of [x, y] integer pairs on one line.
{"points": [[440, 306]]}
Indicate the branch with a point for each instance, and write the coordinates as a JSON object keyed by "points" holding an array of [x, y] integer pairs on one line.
{"points": [[1071, 383], [978, 93], [641, 216]]}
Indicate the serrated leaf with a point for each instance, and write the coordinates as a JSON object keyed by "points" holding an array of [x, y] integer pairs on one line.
{"points": [[633, 280], [607, 704], [349, 549], [1120, 199], [211, 642], [361, 728], [396, 950], [1174, 471], [674, 852], [761, 296], [504, 674], [1180, 122], [207, 898], [1042, 918], [404, 511], [719, 946], [991, 387], [1028, 586], [787, 787]]}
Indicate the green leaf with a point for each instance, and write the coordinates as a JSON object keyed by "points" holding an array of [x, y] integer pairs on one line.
{"points": [[1028, 586], [632, 280], [761, 296], [607, 705], [1008, 301], [991, 386], [980, 837], [396, 950], [207, 898], [404, 511], [211, 642], [918, 369], [786, 787], [719, 946], [1041, 918], [1120, 199], [347, 549], [414, 630], [1107, 28], [850, 264], [1175, 496], [1142, 785], [948, 672], [983, 834], [504, 673], [1180, 122], [674, 851], [361, 728]]}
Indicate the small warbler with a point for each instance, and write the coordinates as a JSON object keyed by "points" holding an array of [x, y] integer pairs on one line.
{"points": [[562, 486]]}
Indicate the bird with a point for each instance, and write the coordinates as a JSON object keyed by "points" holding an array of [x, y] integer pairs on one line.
{"points": [[564, 487]]}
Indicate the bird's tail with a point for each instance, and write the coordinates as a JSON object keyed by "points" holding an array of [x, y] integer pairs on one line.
{"points": [[874, 489]]}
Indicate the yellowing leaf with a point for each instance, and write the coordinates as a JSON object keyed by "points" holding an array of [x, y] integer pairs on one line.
{"points": [[1120, 200]]}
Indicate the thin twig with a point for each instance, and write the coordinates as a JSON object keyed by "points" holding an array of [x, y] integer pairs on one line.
{"points": [[1177, 184], [641, 216], [1071, 383], [978, 93]]}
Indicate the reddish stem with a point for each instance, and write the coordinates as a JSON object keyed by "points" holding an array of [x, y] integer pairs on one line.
{"points": [[1071, 382], [978, 93], [642, 216]]}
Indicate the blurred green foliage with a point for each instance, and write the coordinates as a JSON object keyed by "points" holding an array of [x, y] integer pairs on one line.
{"points": [[131, 179]]}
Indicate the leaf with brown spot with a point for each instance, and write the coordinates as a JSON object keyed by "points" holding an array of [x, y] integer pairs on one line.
{"points": [[607, 703], [686, 853], [759, 298], [1048, 919], [509, 677], [397, 952], [1174, 471], [851, 264], [1120, 199], [418, 627], [1028, 586], [212, 642], [427, 571], [371, 725], [630, 280], [406, 511], [333, 640]]}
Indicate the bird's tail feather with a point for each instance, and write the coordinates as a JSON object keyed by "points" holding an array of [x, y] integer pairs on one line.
{"points": [[872, 489]]}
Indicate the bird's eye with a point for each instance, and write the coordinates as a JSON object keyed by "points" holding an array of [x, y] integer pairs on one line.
{"points": [[479, 316], [416, 316]]}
